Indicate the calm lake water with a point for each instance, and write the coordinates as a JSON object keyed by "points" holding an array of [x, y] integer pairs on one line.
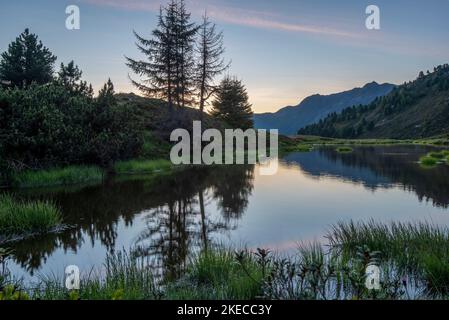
{"points": [[169, 218]]}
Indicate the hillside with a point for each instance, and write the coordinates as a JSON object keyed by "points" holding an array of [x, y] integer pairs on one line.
{"points": [[416, 109], [156, 117], [289, 119]]}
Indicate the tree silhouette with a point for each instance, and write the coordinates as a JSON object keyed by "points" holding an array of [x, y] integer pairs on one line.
{"points": [[26, 61]]}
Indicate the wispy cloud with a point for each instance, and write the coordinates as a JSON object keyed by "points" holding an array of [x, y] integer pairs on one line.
{"points": [[231, 15]]}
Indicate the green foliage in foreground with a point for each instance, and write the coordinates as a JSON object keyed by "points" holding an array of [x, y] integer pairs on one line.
{"points": [[58, 177], [219, 275], [20, 217], [142, 166], [126, 277], [419, 250], [413, 258]]}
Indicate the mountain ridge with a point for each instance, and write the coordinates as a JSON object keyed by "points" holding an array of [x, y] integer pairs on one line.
{"points": [[316, 107], [415, 109]]}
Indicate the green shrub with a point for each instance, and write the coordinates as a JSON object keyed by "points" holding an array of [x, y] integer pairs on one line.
{"points": [[51, 125]]}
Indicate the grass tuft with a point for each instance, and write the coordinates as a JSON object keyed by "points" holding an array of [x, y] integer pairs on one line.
{"points": [[142, 166], [218, 275], [21, 218], [58, 177], [434, 158], [344, 149]]}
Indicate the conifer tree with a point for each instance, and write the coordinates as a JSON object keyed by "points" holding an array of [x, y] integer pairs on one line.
{"points": [[106, 94], [185, 63], [231, 104], [158, 69], [70, 77], [211, 63], [168, 69], [26, 61]]}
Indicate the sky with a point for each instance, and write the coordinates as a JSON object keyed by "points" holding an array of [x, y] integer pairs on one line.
{"points": [[282, 50]]}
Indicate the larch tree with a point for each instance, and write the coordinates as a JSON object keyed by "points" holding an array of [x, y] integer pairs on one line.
{"points": [[211, 63], [186, 32]]}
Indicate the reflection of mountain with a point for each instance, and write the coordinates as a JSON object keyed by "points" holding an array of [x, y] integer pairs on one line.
{"points": [[379, 167], [316, 165], [174, 207]]}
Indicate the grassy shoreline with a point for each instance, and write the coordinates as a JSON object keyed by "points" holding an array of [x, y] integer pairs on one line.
{"points": [[413, 260], [306, 143], [70, 175], [82, 175]]}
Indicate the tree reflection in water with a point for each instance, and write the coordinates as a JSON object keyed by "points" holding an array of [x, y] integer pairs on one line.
{"points": [[174, 209]]}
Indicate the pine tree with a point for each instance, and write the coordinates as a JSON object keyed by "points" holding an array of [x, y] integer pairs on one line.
{"points": [[231, 104], [106, 95], [70, 77], [26, 61], [211, 64]]}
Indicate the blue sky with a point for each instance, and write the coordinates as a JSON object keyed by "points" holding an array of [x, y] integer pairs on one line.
{"points": [[283, 50]]}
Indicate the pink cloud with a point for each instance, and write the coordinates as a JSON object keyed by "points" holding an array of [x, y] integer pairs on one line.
{"points": [[250, 18]]}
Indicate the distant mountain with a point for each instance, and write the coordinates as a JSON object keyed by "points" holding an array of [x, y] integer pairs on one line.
{"points": [[316, 107], [416, 109]]}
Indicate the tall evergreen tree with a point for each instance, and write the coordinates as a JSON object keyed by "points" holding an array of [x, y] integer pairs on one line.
{"points": [[26, 61], [158, 70], [231, 104], [211, 63], [168, 68]]}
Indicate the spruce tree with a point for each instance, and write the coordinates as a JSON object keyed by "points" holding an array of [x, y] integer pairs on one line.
{"points": [[211, 63], [159, 68], [26, 61], [231, 104], [168, 69]]}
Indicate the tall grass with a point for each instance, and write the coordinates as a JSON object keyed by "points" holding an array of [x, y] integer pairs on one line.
{"points": [[20, 217], [142, 166], [420, 250], [58, 177], [124, 278], [217, 274]]}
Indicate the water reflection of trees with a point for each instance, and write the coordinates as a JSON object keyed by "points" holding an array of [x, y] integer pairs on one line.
{"points": [[184, 225], [174, 209]]}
